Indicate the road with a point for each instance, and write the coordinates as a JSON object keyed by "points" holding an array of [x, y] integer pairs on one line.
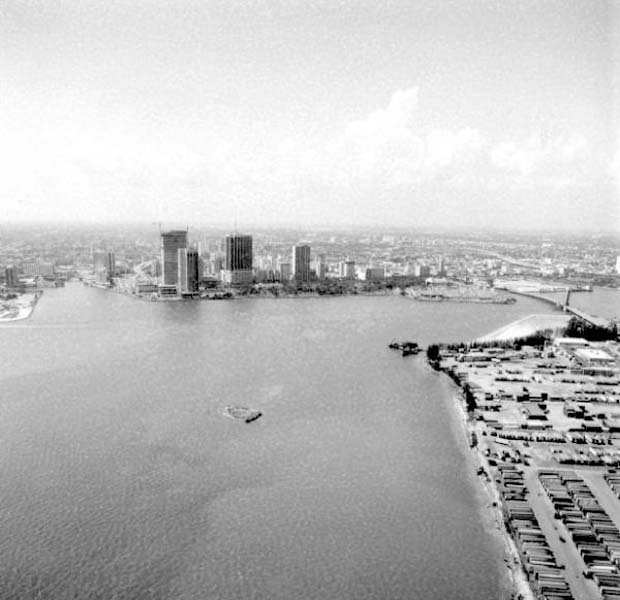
{"points": [[565, 552]]}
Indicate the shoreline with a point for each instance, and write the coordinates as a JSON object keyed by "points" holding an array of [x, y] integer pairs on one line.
{"points": [[515, 447], [220, 296], [283, 296], [23, 311], [514, 582]]}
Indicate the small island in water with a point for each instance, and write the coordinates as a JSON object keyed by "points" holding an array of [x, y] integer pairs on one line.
{"points": [[242, 413]]}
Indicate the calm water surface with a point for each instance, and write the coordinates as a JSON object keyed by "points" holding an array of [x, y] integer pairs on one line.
{"points": [[121, 478], [602, 302]]}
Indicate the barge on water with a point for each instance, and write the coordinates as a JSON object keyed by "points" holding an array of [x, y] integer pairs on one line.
{"points": [[407, 348], [241, 413]]}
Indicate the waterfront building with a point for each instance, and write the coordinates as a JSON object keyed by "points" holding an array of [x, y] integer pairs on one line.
{"points": [[167, 291], [194, 269], [285, 271], [408, 268], [264, 276], [104, 265], [171, 243], [320, 266], [421, 270], [146, 287], [46, 269], [216, 265], [189, 270], [238, 266], [301, 262], [36, 268], [10, 275], [374, 273], [441, 270], [182, 270], [347, 269], [31, 268], [104, 260]]}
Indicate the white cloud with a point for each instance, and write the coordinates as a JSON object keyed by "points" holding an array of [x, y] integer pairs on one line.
{"points": [[394, 121], [390, 151], [389, 154], [390, 148], [534, 155], [507, 156], [444, 148]]}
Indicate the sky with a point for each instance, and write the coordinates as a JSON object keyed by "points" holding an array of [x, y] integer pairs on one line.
{"points": [[304, 112]]}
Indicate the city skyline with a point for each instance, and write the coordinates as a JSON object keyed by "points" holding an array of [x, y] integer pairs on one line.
{"points": [[310, 298], [413, 114]]}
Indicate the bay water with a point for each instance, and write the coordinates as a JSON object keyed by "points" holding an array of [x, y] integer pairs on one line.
{"points": [[601, 302], [122, 478]]}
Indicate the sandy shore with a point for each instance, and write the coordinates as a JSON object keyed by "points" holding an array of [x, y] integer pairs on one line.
{"points": [[527, 326], [514, 582]]}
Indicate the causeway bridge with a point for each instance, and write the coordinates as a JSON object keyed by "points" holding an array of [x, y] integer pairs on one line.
{"points": [[594, 320], [566, 307]]}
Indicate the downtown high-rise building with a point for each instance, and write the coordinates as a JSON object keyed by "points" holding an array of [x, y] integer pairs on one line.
{"points": [[170, 244], [347, 269], [374, 273], [11, 277], [36, 268], [104, 265], [285, 271], [189, 270], [320, 266], [104, 260], [301, 262], [238, 262], [216, 266]]}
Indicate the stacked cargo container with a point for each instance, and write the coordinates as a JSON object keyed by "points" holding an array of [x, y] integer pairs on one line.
{"points": [[613, 481], [546, 577], [594, 534]]}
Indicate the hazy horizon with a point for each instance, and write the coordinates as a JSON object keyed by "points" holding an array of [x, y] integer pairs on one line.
{"points": [[337, 228], [445, 115]]}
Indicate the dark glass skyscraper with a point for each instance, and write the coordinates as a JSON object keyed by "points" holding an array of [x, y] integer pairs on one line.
{"points": [[301, 263], [171, 242], [238, 267], [238, 252], [10, 274], [189, 270]]}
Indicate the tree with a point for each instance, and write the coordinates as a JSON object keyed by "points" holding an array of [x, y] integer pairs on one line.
{"points": [[432, 352], [579, 328], [470, 399]]}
